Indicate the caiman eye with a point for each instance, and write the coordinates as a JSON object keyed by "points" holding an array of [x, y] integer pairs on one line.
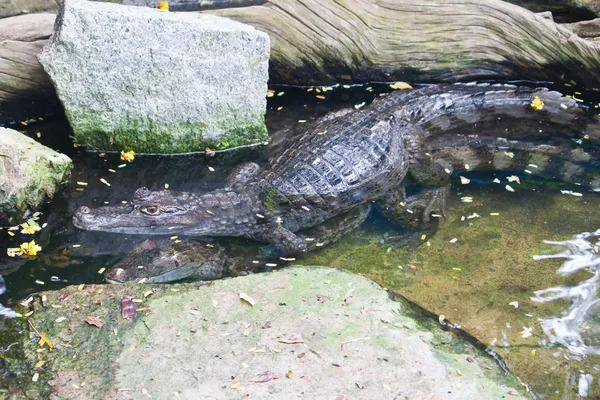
{"points": [[150, 210], [141, 193]]}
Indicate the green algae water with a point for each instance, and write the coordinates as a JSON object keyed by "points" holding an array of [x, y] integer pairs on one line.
{"points": [[491, 269]]}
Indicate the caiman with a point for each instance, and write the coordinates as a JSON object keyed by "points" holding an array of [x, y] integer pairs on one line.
{"points": [[161, 260], [352, 159]]}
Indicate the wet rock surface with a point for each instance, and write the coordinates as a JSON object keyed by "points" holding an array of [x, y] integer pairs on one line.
{"points": [[161, 82], [318, 331], [29, 175]]}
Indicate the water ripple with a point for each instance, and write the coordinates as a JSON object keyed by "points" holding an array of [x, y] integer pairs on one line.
{"points": [[572, 330]]}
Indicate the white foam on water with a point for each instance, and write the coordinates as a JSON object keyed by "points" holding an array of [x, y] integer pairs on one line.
{"points": [[580, 253], [5, 311]]}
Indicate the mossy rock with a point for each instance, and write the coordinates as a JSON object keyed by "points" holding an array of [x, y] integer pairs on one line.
{"points": [[30, 174], [320, 331]]}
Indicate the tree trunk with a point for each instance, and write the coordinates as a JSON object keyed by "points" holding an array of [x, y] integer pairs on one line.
{"points": [[323, 41], [326, 41], [25, 89]]}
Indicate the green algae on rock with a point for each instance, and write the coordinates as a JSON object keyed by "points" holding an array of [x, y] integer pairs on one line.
{"points": [[162, 82], [330, 332], [30, 173]]}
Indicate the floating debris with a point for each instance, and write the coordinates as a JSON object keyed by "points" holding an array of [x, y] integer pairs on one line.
{"points": [[128, 156], [537, 104], [514, 178], [163, 6], [400, 86], [576, 194]]}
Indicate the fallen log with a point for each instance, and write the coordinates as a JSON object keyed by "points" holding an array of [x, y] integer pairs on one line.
{"points": [[323, 41], [24, 86], [326, 41]]}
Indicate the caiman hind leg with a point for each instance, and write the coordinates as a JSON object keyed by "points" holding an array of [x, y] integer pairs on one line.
{"points": [[417, 214]]}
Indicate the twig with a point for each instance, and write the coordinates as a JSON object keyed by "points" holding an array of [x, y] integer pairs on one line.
{"points": [[353, 340]]}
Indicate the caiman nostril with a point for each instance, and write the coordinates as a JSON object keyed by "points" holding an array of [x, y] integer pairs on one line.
{"points": [[84, 210]]}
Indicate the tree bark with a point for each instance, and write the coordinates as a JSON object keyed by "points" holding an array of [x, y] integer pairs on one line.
{"points": [[323, 41], [326, 41], [25, 89]]}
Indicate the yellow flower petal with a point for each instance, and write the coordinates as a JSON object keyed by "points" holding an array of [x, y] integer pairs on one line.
{"points": [[537, 104]]}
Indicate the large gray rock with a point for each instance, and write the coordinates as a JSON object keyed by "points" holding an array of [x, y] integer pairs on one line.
{"points": [[319, 332], [9, 8], [155, 81], [29, 174]]}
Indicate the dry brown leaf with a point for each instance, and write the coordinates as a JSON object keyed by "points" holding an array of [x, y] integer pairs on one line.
{"points": [[261, 378], [97, 322], [292, 340], [127, 307]]}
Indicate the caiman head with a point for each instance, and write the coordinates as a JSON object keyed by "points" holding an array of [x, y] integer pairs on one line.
{"points": [[168, 213]]}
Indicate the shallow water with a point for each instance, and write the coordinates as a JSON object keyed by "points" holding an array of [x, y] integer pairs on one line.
{"points": [[471, 282]]}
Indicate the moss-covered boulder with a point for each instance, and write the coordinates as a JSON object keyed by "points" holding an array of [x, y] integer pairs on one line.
{"points": [[29, 175], [153, 81], [318, 331]]}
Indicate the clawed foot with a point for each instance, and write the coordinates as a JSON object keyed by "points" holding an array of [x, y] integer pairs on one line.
{"points": [[423, 209]]}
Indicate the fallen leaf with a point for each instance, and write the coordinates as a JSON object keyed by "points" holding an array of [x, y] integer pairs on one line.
{"points": [[127, 307], [400, 85], [537, 104], [526, 332], [97, 322], [40, 364], [128, 156], [246, 298], [261, 378], [292, 340]]}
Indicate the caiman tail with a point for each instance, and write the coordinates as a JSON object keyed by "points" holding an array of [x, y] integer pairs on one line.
{"points": [[477, 108], [505, 127]]}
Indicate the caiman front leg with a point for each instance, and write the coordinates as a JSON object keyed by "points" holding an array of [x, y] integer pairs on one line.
{"points": [[318, 236], [281, 241]]}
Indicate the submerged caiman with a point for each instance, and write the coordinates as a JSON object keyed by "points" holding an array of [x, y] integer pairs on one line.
{"points": [[352, 159]]}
